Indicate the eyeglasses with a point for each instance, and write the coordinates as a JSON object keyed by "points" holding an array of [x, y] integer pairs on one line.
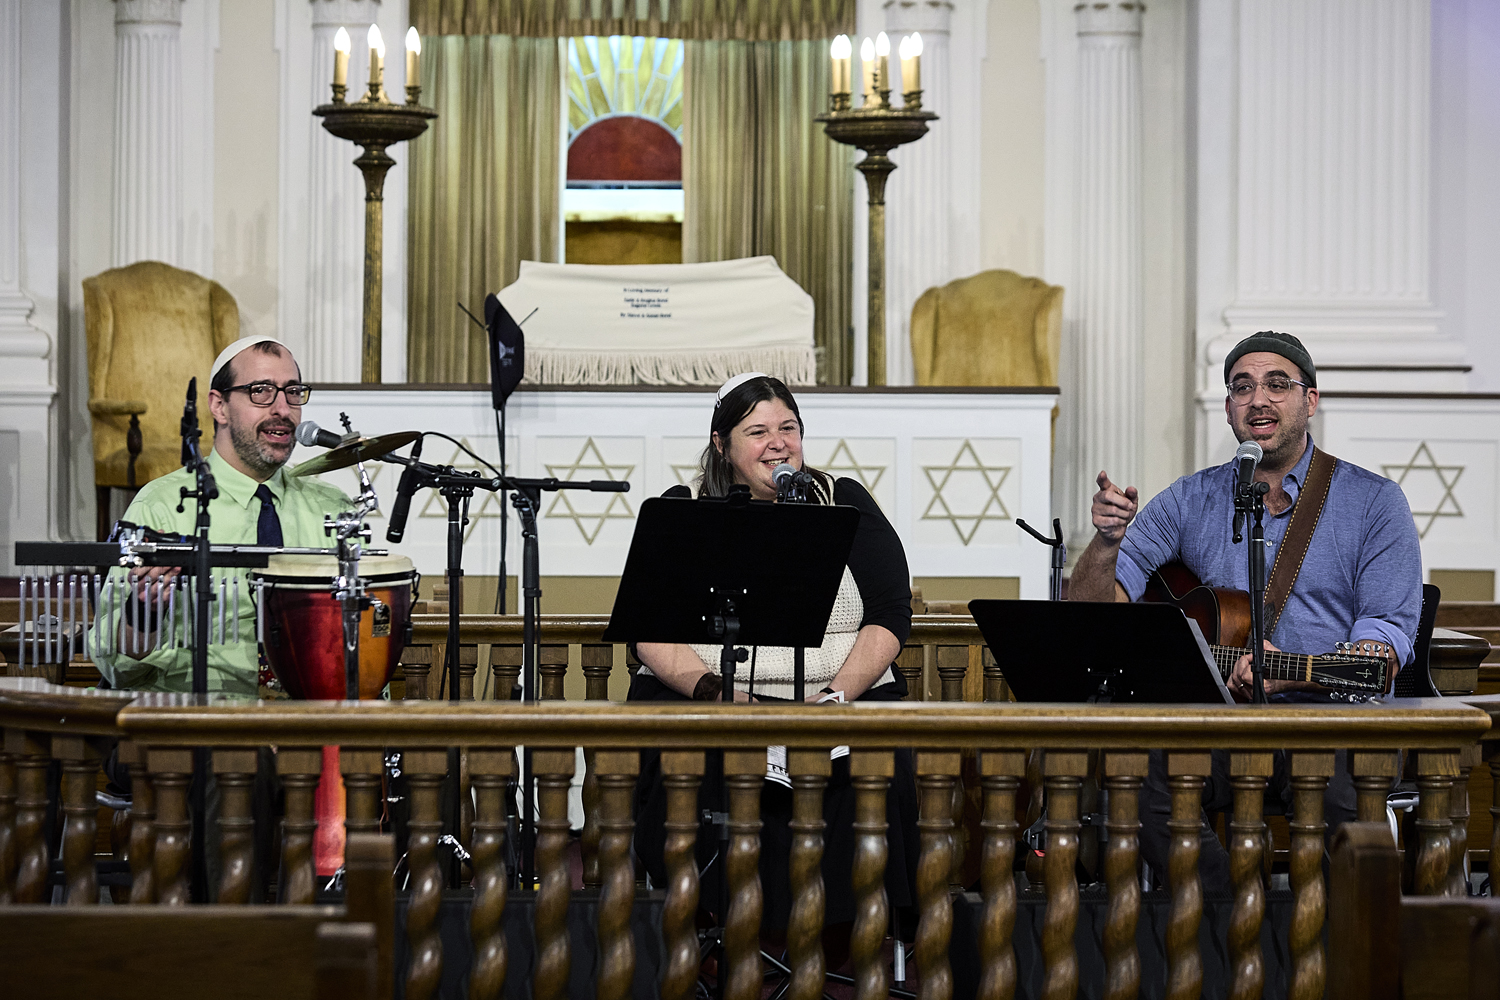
{"points": [[1277, 387], [264, 393]]}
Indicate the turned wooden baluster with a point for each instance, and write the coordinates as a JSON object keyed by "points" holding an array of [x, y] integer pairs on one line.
{"points": [[488, 770], [425, 770], [1063, 774], [682, 774], [1492, 751], [7, 828], [300, 769], [1435, 773], [744, 771], [80, 763], [554, 776], [617, 773], [1458, 812], [996, 688], [468, 661], [235, 772], [142, 823], [871, 772], [552, 672], [1373, 773], [33, 752], [1000, 776], [1124, 772], [505, 666], [597, 662], [911, 661], [416, 667], [1248, 773], [937, 774], [362, 768], [809, 770], [952, 668], [1310, 772], [171, 772], [1185, 774]]}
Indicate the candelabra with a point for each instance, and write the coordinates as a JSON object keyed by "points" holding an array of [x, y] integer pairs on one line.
{"points": [[374, 122], [876, 128]]}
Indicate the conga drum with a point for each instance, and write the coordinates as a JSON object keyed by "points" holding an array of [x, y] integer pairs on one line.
{"points": [[303, 628]]}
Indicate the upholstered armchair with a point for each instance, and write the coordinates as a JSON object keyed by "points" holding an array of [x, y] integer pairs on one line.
{"points": [[151, 327], [992, 328]]}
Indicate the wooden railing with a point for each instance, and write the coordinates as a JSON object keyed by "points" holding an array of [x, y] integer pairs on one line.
{"points": [[161, 732]]}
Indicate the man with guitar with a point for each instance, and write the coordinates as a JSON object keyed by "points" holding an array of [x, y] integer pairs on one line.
{"points": [[1341, 543]]}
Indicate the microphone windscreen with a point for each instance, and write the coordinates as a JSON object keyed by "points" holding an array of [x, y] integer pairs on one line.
{"points": [[786, 470], [1250, 449], [307, 433]]}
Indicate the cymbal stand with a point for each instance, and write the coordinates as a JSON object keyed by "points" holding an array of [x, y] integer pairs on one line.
{"points": [[350, 528]]}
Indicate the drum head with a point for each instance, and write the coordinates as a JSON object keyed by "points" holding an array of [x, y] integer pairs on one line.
{"points": [[309, 568]]}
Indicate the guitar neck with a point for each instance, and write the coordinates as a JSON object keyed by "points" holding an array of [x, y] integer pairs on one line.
{"points": [[1279, 666]]}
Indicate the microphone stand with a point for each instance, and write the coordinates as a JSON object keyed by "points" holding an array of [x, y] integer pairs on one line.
{"points": [[1251, 501], [204, 491], [1059, 552], [457, 487]]}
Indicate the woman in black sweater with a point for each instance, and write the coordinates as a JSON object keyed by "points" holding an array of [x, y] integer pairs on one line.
{"points": [[756, 426]]}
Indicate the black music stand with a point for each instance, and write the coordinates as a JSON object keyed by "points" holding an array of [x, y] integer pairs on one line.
{"points": [[732, 572], [1081, 651]]}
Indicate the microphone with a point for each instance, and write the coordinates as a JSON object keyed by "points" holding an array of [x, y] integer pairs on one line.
{"points": [[190, 430], [313, 436], [783, 476], [1247, 460], [507, 351], [410, 479]]}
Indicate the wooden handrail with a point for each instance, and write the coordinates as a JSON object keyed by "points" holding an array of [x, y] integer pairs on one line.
{"points": [[180, 720], [38, 705], [942, 630]]}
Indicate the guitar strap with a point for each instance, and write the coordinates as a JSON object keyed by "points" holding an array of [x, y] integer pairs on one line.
{"points": [[1299, 534]]}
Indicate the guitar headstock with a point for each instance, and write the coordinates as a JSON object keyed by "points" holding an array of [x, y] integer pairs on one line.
{"points": [[1353, 666]]}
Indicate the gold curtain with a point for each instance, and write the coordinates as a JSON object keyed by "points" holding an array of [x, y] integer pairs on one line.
{"points": [[760, 177], [484, 191], [745, 20]]}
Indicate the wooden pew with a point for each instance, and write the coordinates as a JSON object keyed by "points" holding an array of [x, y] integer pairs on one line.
{"points": [[155, 952], [1383, 946]]}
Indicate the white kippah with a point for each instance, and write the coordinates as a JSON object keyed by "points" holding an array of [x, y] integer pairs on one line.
{"points": [[229, 353], [735, 383]]}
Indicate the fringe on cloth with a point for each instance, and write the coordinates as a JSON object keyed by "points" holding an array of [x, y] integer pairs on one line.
{"points": [[793, 365]]}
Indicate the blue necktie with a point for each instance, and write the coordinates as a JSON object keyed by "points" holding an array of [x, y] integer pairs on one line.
{"points": [[268, 528]]}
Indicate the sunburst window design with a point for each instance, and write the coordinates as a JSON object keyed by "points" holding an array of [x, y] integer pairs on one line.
{"points": [[624, 112]]}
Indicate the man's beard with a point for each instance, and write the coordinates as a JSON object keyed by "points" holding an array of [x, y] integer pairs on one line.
{"points": [[262, 458]]}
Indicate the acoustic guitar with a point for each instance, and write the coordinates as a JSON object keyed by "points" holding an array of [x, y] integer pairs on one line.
{"points": [[1223, 615]]}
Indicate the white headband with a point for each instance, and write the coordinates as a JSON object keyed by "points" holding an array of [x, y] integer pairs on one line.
{"points": [[735, 383], [229, 353]]}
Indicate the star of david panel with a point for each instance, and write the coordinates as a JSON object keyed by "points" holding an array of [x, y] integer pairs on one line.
{"points": [[591, 458], [967, 491], [680, 457], [871, 462], [1428, 485]]}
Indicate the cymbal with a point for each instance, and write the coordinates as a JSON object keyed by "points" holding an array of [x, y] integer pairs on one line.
{"points": [[358, 451]]}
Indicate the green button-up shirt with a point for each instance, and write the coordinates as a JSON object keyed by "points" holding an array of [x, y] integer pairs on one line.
{"points": [[233, 666]]}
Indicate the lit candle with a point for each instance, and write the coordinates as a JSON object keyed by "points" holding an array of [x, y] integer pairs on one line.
{"points": [[914, 82], [840, 52], [883, 66], [340, 62], [867, 68], [377, 62], [413, 49]]}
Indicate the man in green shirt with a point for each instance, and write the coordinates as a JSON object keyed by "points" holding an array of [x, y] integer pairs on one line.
{"points": [[256, 395]]}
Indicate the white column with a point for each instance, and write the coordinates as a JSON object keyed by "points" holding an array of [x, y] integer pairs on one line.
{"points": [[148, 131], [918, 198], [1108, 289], [16, 335], [335, 198]]}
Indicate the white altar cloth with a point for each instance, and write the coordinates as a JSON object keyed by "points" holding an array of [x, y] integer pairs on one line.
{"points": [[662, 324]]}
